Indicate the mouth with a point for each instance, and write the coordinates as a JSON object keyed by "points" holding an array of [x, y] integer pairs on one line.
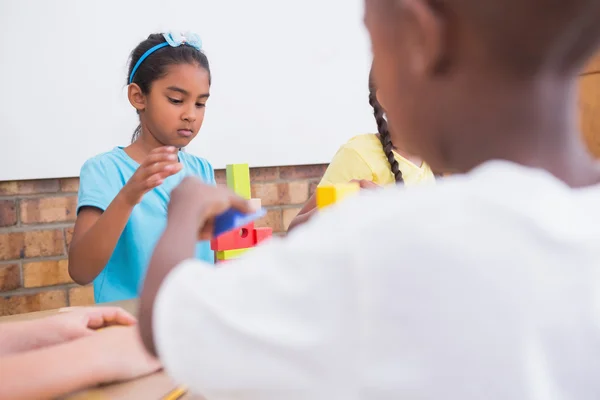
{"points": [[185, 133]]}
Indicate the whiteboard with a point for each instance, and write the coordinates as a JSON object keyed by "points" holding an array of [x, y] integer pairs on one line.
{"points": [[289, 79]]}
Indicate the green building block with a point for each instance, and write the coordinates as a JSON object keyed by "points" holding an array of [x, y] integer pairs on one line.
{"points": [[238, 179]]}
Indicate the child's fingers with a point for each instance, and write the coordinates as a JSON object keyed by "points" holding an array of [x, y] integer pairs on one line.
{"points": [[164, 150], [154, 158], [164, 169], [103, 316], [159, 177]]}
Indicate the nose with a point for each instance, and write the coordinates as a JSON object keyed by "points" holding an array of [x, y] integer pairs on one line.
{"points": [[189, 113]]}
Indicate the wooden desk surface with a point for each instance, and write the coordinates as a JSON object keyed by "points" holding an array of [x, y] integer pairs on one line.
{"points": [[153, 387]]}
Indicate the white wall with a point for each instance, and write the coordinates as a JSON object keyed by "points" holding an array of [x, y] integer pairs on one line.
{"points": [[290, 79]]}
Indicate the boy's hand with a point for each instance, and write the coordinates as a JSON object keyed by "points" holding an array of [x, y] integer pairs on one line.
{"points": [[161, 163], [194, 199]]}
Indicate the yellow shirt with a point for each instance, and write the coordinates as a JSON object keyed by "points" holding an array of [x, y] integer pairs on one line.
{"points": [[362, 157]]}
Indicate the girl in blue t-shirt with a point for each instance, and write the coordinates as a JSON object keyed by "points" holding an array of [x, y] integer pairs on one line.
{"points": [[124, 193]]}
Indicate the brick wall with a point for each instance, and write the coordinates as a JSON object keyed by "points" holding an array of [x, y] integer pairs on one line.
{"points": [[36, 225]]}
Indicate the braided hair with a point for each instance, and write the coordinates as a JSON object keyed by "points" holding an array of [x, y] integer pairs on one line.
{"points": [[382, 128]]}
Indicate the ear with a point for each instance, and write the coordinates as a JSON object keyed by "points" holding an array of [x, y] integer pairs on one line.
{"points": [[425, 35], [136, 97]]}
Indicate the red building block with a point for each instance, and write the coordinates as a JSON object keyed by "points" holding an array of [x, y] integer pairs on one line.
{"points": [[242, 238], [262, 234]]}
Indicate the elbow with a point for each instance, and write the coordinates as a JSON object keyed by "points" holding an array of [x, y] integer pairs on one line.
{"points": [[76, 272]]}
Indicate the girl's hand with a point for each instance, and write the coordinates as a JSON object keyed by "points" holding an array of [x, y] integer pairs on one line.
{"points": [[122, 354], [194, 199], [158, 165]]}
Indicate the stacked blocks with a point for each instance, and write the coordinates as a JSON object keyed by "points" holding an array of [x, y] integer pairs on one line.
{"points": [[233, 244], [328, 195]]}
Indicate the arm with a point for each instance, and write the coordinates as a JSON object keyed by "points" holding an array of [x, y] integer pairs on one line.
{"points": [[55, 371], [272, 316], [116, 354], [74, 323], [347, 165], [95, 237], [100, 222], [305, 214]]}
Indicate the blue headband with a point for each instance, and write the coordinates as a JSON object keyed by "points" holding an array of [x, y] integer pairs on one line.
{"points": [[173, 40]]}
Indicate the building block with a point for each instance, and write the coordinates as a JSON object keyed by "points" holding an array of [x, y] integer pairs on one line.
{"points": [[233, 219], [262, 234], [328, 195], [226, 255], [238, 179], [245, 237], [236, 239]]}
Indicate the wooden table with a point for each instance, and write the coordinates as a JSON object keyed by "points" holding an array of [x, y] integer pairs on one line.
{"points": [[153, 387]]}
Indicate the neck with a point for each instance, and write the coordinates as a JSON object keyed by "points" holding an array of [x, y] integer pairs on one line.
{"points": [[535, 126], [143, 145]]}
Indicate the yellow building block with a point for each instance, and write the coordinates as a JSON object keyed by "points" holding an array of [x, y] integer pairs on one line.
{"points": [[230, 254], [238, 179], [328, 195]]}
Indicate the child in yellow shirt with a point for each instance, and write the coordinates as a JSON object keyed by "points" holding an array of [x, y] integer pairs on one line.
{"points": [[370, 159]]}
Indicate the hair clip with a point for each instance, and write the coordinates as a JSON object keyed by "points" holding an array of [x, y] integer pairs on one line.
{"points": [[176, 39]]}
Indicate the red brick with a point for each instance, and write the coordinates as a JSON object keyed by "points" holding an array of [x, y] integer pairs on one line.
{"points": [[264, 174], [288, 215], [29, 187], [283, 193], [46, 273], [69, 185], [68, 236], [47, 300], [268, 193], [273, 220], [48, 209], [81, 296], [8, 213], [312, 188], [43, 243], [302, 171], [10, 277], [296, 193]]}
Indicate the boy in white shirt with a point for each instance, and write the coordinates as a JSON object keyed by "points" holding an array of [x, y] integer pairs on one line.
{"points": [[482, 287]]}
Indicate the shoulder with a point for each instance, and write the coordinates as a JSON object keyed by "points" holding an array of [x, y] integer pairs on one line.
{"points": [[364, 144], [105, 163], [198, 165]]}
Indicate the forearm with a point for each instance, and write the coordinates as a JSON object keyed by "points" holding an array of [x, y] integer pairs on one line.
{"points": [[305, 214], [177, 244], [300, 219], [17, 337], [51, 372], [90, 253]]}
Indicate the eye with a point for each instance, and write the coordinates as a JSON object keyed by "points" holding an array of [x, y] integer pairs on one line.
{"points": [[200, 105], [175, 101]]}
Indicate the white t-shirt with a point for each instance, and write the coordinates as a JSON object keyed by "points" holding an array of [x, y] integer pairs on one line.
{"points": [[484, 286]]}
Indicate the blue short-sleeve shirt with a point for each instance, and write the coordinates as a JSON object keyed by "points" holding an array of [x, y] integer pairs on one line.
{"points": [[101, 179]]}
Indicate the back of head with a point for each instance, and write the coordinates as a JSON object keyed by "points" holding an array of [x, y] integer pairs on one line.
{"points": [[466, 81], [533, 36]]}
